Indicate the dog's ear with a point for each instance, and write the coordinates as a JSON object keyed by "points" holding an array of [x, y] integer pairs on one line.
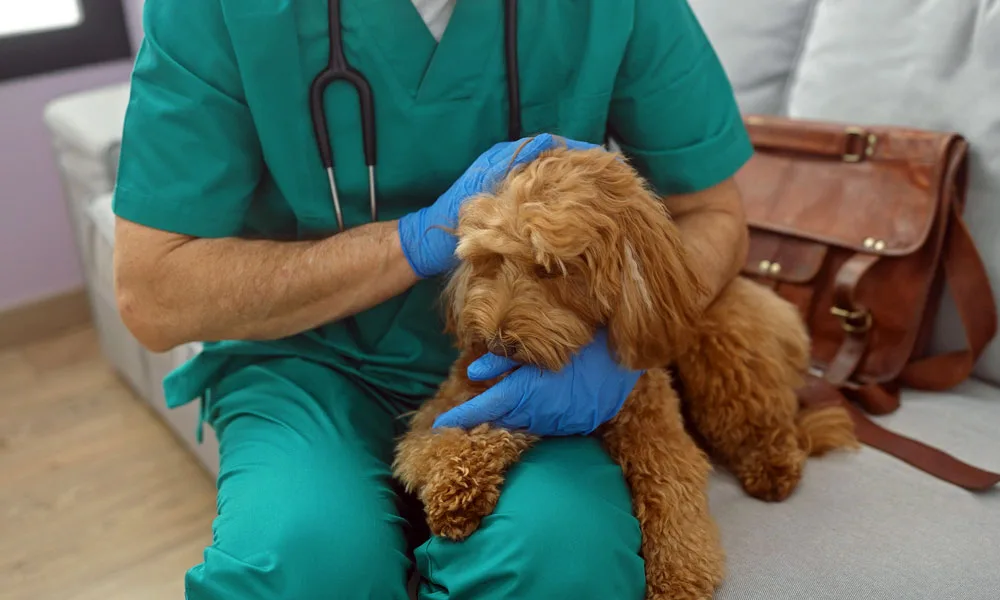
{"points": [[477, 214], [658, 299], [453, 299]]}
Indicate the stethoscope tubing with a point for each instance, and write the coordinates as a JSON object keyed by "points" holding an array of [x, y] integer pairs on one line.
{"points": [[338, 69]]}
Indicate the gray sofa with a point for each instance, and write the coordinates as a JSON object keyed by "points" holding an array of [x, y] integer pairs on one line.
{"points": [[862, 525], [866, 525]]}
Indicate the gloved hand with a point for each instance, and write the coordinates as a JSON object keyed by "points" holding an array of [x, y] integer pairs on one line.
{"points": [[430, 250], [586, 393]]}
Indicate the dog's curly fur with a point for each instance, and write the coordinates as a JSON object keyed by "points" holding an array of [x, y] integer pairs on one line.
{"points": [[574, 241]]}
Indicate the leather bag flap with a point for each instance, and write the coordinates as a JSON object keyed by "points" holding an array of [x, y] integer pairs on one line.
{"points": [[868, 190]]}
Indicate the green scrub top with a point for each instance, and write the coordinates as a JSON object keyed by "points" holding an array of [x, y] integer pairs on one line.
{"points": [[218, 139]]}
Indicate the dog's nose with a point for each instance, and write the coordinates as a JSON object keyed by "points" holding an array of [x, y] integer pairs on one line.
{"points": [[498, 345]]}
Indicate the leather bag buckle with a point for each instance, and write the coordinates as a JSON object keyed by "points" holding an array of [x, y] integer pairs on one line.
{"points": [[859, 144], [853, 321]]}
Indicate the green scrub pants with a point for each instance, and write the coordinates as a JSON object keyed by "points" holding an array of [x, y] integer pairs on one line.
{"points": [[307, 509]]}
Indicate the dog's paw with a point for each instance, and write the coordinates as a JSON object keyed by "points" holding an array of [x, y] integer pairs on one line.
{"points": [[456, 503], [773, 472], [465, 471], [693, 594], [694, 584], [685, 564]]}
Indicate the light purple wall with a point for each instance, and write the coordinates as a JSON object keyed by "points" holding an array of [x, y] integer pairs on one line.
{"points": [[37, 253]]}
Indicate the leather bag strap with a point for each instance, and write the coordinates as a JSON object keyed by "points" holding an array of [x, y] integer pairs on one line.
{"points": [[970, 287], [809, 138], [876, 398], [856, 319], [818, 392], [926, 458]]}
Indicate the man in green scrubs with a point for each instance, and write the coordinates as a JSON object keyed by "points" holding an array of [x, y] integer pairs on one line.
{"points": [[320, 342]]}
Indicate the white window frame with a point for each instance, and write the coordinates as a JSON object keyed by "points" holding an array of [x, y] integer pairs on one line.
{"points": [[99, 35]]}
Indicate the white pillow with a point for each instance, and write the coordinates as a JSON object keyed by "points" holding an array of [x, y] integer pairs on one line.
{"points": [[758, 42]]}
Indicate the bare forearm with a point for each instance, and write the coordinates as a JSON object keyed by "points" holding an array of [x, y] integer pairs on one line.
{"points": [[230, 288], [714, 245], [713, 228]]}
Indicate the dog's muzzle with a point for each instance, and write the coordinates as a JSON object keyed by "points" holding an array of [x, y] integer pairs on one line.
{"points": [[501, 347]]}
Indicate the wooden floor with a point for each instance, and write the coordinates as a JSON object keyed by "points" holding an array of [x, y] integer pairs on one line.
{"points": [[98, 501]]}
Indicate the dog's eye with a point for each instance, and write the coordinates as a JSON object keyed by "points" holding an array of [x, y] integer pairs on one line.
{"points": [[542, 273]]}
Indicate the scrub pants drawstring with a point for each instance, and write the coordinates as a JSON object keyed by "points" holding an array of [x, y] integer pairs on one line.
{"points": [[202, 416]]}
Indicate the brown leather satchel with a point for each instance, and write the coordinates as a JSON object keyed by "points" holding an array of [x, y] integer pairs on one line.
{"points": [[861, 227]]}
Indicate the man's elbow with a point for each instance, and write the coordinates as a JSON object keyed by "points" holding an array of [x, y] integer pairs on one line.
{"points": [[141, 310], [143, 320], [141, 279]]}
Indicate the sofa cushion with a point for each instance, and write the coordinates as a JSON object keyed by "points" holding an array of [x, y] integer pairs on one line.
{"points": [[933, 64], [865, 525], [90, 120], [759, 54]]}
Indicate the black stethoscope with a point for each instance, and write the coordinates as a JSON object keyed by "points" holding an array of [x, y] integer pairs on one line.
{"points": [[339, 69]]}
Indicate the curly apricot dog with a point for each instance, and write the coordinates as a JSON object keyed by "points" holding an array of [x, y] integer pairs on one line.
{"points": [[575, 241]]}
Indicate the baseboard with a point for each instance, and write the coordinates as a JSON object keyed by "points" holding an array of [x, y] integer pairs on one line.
{"points": [[44, 318]]}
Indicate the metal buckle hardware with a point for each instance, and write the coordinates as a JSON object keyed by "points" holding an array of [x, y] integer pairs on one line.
{"points": [[858, 138], [849, 319]]}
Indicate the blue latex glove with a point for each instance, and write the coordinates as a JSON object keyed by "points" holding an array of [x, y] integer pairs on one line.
{"points": [[431, 251], [575, 400]]}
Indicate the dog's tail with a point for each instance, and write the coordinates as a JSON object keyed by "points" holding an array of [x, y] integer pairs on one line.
{"points": [[823, 429]]}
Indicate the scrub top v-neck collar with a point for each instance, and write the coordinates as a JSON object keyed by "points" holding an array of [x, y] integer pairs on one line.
{"points": [[426, 70], [436, 14]]}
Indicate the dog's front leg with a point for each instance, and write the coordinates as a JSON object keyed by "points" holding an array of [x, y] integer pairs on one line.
{"points": [[457, 474], [668, 477]]}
